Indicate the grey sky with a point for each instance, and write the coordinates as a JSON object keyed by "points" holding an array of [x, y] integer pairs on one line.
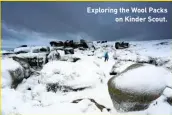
{"points": [[37, 23]]}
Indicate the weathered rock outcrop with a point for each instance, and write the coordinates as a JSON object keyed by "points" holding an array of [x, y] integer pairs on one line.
{"points": [[70, 43], [54, 55], [56, 43], [135, 88], [12, 74], [122, 45], [168, 94], [69, 51], [83, 43], [24, 63]]}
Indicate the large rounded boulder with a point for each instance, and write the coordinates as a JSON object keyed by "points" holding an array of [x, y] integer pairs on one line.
{"points": [[137, 86]]}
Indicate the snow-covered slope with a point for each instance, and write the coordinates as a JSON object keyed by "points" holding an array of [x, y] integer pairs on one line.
{"points": [[66, 87]]}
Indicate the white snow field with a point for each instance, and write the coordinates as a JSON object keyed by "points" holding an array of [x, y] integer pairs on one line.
{"points": [[82, 85]]}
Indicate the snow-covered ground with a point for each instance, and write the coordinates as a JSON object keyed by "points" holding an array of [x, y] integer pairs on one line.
{"points": [[79, 83]]}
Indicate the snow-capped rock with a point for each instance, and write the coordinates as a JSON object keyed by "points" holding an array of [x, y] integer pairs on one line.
{"points": [[135, 87], [35, 60], [69, 58], [168, 94], [71, 74], [69, 50], [12, 73], [120, 66], [24, 63], [32, 49], [22, 50], [54, 55]]}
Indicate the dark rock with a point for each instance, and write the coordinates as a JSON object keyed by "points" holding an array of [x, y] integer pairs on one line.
{"points": [[83, 43], [69, 51], [36, 51], [117, 44], [37, 58], [17, 77], [75, 59], [76, 45], [54, 87], [7, 53], [25, 64], [57, 48], [168, 94], [20, 52], [113, 73], [152, 61], [103, 41], [35, 62], [162, 43], [101, 107], [22, 46], [69, 58], [122, 45], [94, 47], [54, 55], [44, 49], [29, 88], [169, 100], [69, 43], [76, 101], [81, 48], [56, 43]]}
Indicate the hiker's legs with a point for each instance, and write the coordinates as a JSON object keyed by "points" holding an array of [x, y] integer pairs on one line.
{"points": [[106, 59]]}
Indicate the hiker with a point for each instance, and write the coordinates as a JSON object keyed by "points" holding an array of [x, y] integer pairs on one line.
{"points": [[106, 56]]}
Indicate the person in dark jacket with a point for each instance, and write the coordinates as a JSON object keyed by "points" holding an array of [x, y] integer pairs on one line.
{"points": [[106, 56]]}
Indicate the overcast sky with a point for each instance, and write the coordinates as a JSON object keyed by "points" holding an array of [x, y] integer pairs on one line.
{"points": [[37, 23]]}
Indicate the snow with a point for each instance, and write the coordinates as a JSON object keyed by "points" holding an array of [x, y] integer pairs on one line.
{"points": [[32, 97], [140, 80], [6, 79], [168, 92], [67, 72], [159, 107], [9, 65], [8, 61]]}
